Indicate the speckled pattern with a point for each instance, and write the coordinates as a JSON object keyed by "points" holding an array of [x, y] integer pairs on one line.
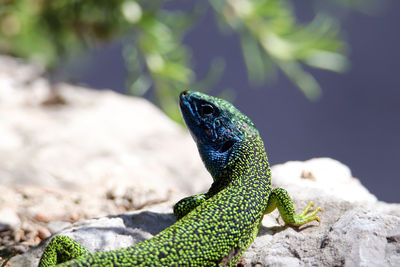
{"points": [[214, 228]]}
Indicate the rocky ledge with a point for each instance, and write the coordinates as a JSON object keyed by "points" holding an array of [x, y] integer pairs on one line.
{"points": [[88, 164]]}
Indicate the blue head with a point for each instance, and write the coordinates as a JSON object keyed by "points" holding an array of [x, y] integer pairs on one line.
{"points": [[217, 127]]}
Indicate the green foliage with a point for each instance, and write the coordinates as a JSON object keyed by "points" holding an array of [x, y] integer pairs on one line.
{"points": [[49, 31], [271, 39], [46, 30]]}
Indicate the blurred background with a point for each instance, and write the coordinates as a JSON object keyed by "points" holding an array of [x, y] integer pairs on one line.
{"points": [[319, 78]]}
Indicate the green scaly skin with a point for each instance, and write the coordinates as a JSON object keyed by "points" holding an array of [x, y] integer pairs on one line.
{"points": [[214, 228]]}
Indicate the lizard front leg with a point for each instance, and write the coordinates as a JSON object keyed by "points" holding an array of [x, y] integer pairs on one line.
{"points": [[61, 249], [187, 204], [279, 198]]}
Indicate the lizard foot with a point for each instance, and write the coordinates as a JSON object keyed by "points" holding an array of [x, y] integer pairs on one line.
{"points": [[305, 216]]}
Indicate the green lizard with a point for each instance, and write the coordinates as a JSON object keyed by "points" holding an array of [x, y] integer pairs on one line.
{"points": [[213, 228]]}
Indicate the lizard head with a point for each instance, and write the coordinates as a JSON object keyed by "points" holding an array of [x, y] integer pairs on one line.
{"points": [[217, 127]]}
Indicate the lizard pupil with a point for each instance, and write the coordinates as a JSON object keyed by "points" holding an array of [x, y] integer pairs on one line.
{"points": [[207, 109]]}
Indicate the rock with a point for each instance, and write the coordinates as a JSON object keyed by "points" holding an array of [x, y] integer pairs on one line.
{"points": [[98, 142], [325, 176], [363, 238], [359, 238], [43, 233], [107, 233], [9, 219], [96, 137], [57, 226], [351, 233]]}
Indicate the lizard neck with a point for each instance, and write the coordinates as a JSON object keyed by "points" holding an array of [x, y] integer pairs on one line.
{"points": [[249, 168]]}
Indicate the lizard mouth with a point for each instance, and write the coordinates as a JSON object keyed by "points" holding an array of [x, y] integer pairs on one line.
{"points": [[188, 111], [185, 105], [188, 108]]}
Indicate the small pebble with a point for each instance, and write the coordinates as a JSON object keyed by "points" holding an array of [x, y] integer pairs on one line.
{"points": [[43, 233], [41, 217]]}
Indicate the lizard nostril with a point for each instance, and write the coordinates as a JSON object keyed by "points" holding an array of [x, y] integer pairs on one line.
{"points": [[186, 92]]}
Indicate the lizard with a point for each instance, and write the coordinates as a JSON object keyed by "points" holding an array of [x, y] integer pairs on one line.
{"points": [[213, 228]]}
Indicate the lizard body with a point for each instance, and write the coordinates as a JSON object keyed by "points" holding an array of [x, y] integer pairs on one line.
{"points": [[213, 228]]}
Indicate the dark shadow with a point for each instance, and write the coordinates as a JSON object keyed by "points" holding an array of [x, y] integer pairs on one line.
{"points": [[271, 230], [136, 225], [303, 227], [276, 229], [148, 221]]}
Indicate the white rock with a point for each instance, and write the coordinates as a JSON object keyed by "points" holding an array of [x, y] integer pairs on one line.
{"points": [[104, 150], [325, 176], [364, 238], [9, 219], [107, 233]]}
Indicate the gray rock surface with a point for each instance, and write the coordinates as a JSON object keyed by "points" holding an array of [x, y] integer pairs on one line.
{"points": [[107, 233], [351, 233], [69, 153]]}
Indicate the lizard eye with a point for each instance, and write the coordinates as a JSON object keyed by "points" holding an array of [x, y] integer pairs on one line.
{"points": [[207, 109]]}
